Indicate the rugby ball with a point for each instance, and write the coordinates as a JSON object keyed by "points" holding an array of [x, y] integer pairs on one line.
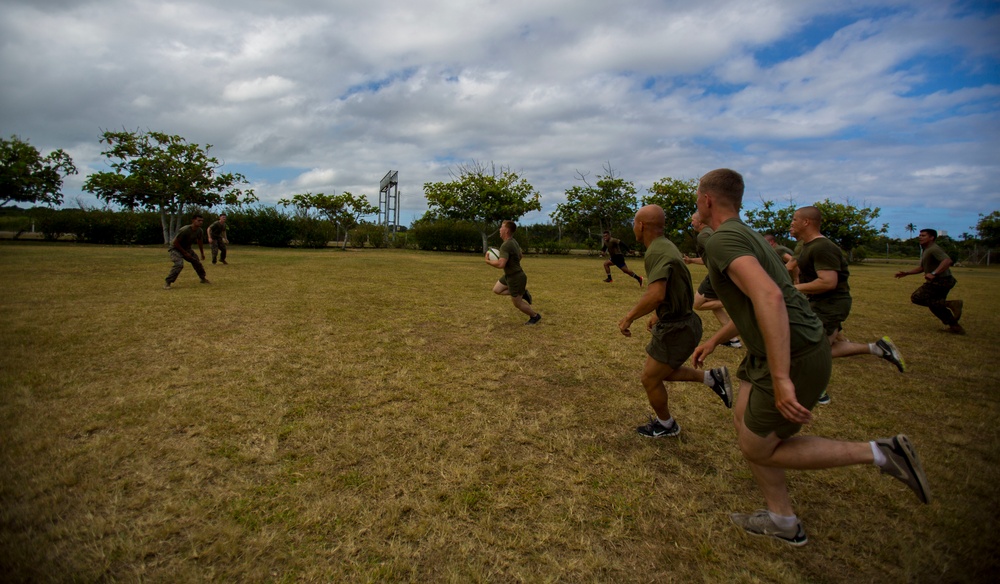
{"points": [[493, 254]]}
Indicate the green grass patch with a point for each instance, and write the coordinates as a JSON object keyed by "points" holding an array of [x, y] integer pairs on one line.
{"points": [[380, 415]]}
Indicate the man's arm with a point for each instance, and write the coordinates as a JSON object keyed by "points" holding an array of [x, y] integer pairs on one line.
{"points": [[690, 260], [177, 245], [910, 272], [772, 317], [825, 281], [200, 246], [209, 232], [497, 263], [944, 265], [650, 299]]}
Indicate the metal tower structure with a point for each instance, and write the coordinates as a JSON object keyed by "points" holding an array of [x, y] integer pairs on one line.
{"points": [[388, 203]]}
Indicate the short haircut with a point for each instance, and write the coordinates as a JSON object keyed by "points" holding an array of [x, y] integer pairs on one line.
{"points": [[931, 232], [606, 232], [724, 183], [811, 213], [770, 237], [221, 215], [510, 225], [196, 216]]}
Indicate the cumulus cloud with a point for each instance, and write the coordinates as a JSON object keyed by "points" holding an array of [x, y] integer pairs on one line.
{"points": [[887, 101]]}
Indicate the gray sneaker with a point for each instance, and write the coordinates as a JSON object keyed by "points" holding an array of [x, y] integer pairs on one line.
{"points": [[760, 523], [654, 429], [722, 385], [903, 463], [890, 353], [166, 286]]}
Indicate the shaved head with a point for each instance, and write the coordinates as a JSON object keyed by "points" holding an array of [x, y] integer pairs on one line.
{"points": [[652, 216], [811, 213]]}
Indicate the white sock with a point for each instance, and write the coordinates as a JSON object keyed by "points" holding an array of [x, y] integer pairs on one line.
{"points": [[783, 521], [666, 423], [875, 350], [880, 459]]}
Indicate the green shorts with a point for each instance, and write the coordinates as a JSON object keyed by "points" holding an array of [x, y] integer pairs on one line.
{"points": [[706, 290], [832, 312], [674, 341], [810, 373], [516, 283]]}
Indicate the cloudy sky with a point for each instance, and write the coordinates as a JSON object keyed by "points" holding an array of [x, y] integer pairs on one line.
{"points": [[888, 103]]}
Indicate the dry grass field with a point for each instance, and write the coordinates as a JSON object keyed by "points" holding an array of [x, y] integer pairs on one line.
{"points": [[371, 416]]}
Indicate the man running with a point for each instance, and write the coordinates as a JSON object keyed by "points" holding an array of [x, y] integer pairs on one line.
{"points": [[615, 256], [676, 330], [514, 281], [823, 275], [181, 250], [938, 281], [218, 240], [785, 370]]}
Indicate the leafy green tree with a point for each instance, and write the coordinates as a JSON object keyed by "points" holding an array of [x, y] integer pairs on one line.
{"points": [[679, 199], [609, 204], [988, 228], [28, 177], [343, 210], [849, 226], [484, 194], [163, 173], [768, 218]]}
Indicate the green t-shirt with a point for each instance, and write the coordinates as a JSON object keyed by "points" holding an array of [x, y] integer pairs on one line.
{"points": [[613, 246], [931, 258], [664, 262], [188, 236], [217, 230], [782, 250], [702, 239], [512, 251], [733, 240], [822, 254]]}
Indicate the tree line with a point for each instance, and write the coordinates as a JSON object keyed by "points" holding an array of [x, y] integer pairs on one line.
{"points": [[154, 174]]}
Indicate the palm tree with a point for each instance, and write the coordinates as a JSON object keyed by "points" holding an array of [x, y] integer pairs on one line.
{"points": [[911, 228]]}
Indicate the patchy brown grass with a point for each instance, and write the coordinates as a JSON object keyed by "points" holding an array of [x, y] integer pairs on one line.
{"points": [[381, 416]]}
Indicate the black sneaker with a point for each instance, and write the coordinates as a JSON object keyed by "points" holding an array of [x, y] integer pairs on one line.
{"points": [[760, 523], [734, 343], [527, 297], [534, 319], [824, 399], [654, 429], [902, 463], [608, 279], [890, 353], [722, 385], [205, 281]]}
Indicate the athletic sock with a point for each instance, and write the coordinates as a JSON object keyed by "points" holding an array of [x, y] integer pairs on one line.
{"points": [[783, 521], [666, 423], [875, 350], [880, 459], [637, 277]]}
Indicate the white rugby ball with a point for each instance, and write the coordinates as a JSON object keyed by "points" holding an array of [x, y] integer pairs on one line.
{"points": [[493, 254]]}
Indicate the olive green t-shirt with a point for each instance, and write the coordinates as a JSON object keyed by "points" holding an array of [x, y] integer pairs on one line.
{"points": [[782, 250], [819, 255], [664, 262], [188, 236], [217, 230], [613, 246], [931, 258], [733, 240], [512, 251], [702, 239]]}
